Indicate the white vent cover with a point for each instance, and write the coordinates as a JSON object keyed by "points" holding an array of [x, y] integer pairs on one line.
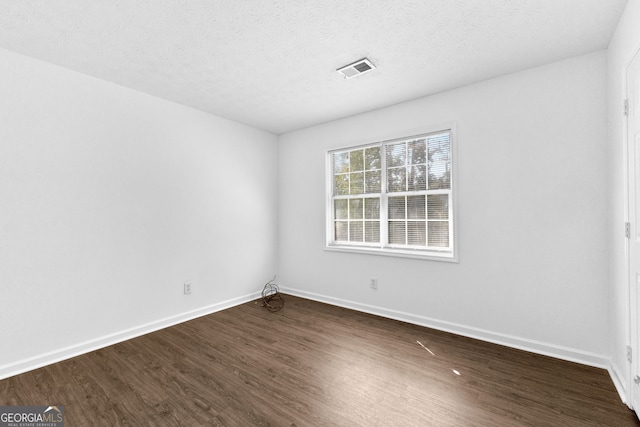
{"points": [[357, 68]]}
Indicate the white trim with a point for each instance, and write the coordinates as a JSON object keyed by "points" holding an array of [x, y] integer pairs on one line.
{"points": [[385, 249], [617, 378], [61, 354], [400, 253], [627, 260], [552, 350], [631, 283], [378, 138]]}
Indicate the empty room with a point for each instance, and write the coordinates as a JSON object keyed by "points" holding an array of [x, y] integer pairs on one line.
{"points": [[320, 213]]}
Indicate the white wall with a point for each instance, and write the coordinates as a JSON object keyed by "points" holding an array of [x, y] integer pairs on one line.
{"points": [[532, 208], [109, 200], [624, 44]]}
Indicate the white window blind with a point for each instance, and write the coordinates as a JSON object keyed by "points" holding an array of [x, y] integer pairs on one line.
{"points": [[393, 196]]}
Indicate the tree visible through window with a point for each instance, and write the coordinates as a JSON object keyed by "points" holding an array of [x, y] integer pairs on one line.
{"points": [[394, 196]]}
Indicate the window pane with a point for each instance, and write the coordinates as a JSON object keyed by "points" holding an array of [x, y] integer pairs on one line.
{"points": [[340, 209], [356, 231], [397, 208], [357, 160], [417, 152], [355, 209], [438, 206], [439, 162], [417, 233], [397, 233], [372, 158], [440, 147], [340, 185], [340, 163], [418, 178], [372, 208], [439, 233], [416, 207], [439, 176], [357, 183], [396, 179], [372, 231], [396, 155], [372, 181], [342, 231]]}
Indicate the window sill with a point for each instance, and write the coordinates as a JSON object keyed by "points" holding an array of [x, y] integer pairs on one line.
{"points": [[445, 256]]}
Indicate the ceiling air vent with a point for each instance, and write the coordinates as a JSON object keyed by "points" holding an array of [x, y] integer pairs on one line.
{"points": [[357, 68]]}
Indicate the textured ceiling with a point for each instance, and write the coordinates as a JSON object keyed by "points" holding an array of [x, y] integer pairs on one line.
{"points": [[271, 64]]}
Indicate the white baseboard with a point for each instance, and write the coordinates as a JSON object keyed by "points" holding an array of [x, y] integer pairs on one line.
{"points": [[551, 350], [559, 352], [44, 359], [619, 382]]}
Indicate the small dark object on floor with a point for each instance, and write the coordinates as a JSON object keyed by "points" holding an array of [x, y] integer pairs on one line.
{"points": [[271, 297]]}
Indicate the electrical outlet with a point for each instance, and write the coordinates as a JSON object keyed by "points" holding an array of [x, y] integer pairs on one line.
{"points": [[187, 287], [373, 283]]}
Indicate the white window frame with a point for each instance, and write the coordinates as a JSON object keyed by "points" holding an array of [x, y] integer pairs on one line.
{"points": [[431, 253]]}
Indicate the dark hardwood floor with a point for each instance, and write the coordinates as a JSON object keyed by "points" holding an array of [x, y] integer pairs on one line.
{"points": [[313, 364]]}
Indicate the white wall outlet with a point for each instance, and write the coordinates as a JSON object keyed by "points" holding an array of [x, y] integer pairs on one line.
{"points": [[187, 287], [373, 283]]}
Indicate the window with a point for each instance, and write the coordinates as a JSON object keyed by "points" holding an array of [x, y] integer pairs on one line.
{"points": [[393, 197]]}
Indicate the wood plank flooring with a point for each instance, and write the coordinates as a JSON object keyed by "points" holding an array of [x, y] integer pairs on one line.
{"points": [[313, 364]]}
